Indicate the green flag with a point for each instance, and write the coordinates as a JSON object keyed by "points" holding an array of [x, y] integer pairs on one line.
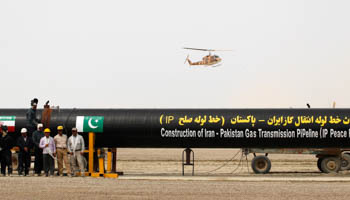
{"points": [[90, 124]]}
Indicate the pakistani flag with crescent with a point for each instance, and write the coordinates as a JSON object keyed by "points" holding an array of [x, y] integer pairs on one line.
{"points": [[90, 124]]}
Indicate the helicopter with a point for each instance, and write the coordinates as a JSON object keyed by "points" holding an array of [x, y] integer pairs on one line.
{"points": [[208, 60]]}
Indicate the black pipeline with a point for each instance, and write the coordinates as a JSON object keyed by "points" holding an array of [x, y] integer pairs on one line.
{"points": [[200, 128]]}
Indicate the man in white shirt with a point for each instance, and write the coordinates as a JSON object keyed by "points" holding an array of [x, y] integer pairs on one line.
{"points": [[76, 147], [49, 152]]}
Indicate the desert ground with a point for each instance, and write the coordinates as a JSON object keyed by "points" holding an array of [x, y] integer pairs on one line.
{"points": [[157, 174]]}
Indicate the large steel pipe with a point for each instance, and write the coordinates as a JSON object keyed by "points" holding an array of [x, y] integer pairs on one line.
{"points": [[206, 128]]}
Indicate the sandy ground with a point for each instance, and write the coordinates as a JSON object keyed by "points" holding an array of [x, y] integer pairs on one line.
{"points": [[156, 174], [207, 162], [90, 188]]}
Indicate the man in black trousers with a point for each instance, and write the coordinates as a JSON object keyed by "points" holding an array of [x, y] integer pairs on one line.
{"points": [[25, 144], [6, 143], [38, 152], [32, 120]]}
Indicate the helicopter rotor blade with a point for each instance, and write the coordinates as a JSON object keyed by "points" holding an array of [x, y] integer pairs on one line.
{"points": [[198, 49], [223, 50], [206, 49]]}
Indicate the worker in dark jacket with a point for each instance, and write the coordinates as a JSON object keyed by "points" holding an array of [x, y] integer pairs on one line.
{"points": [[25, 144], [32, 120], [0, 145], [38, 152], [6, 155]]}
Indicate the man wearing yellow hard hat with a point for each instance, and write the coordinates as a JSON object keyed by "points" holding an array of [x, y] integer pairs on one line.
{"points": [[49, 152], [61, 149]]}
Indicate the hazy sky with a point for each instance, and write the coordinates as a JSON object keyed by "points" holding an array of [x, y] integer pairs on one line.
{"points": [[128, 54]]}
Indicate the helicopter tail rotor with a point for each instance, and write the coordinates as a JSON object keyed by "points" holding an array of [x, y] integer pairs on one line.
{"points": [[187, 58]]}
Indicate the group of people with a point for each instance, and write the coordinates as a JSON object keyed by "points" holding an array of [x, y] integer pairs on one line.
{"points": [[46, 148]]}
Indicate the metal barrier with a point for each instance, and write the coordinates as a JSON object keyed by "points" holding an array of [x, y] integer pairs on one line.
{"points": [[189, 160]]}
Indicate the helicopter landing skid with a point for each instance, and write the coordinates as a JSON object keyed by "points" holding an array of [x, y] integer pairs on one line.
{"points": [[218, 65]]}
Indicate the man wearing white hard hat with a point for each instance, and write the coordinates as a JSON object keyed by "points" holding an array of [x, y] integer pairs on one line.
{"points": [[38, 152], [25, 144]]}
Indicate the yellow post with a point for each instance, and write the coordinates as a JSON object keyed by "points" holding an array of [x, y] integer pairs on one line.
{"points": [[109, 161], [91, 151], [101, 162]]}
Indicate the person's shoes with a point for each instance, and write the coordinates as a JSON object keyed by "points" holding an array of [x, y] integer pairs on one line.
{"points": [[20, 174], [69, 175], [46, 175], [61, 175], [36, 174], [9, 175]]}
